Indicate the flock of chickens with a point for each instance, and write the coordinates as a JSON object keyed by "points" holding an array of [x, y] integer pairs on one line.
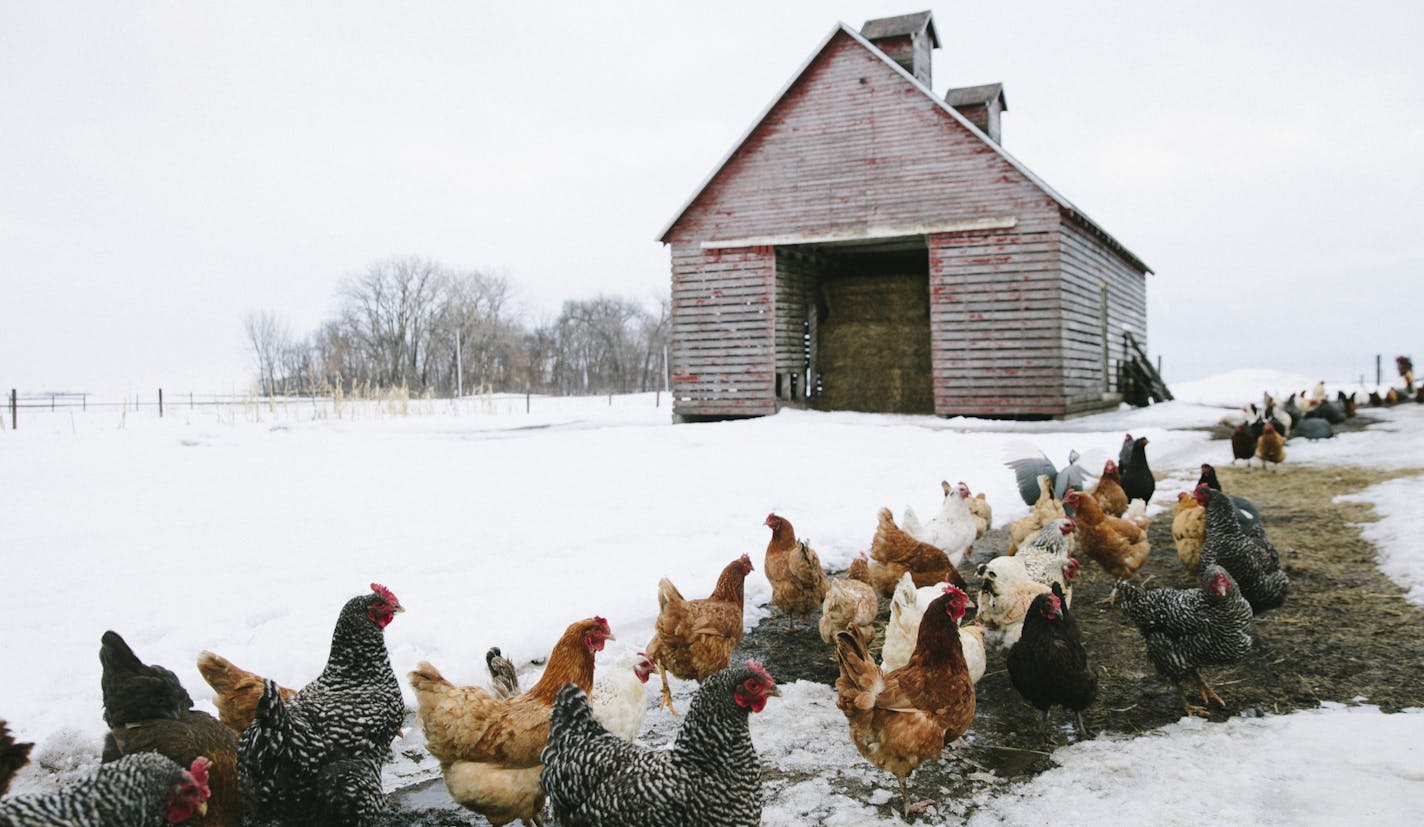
{"points": [[275, 756]]}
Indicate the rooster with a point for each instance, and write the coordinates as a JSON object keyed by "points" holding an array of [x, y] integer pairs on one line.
{"points": [[710, 776], [851, 602], [148, 710], [1048, 665], [489, 748], [1250, 559], [907, 607], [1186, 629], [236, 691], [13, 757], [798, 583], [902, 718], [317, 759], [893, 552], [1108, 492], [695, 638], [953, 530], [140, 790]]}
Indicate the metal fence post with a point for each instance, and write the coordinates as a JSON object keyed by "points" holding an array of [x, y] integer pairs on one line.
{"points": [[160, 403], [14, 408]]}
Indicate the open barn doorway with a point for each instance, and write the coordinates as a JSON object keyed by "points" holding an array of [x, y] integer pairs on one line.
{"points": [[862, 312]]}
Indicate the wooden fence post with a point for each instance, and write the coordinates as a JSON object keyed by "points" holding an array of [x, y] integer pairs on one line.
{"points": [[14, 408], [160, 403]]}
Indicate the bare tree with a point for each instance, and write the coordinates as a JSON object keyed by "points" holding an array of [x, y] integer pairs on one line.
{"points": [[389, 311], [269, 337]]}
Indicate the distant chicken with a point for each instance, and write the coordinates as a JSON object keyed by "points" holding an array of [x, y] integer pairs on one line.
{"points": [[1119, 546], [1251, 560], [1243, 444], [1137, 479], [907, 607], [798, 583], [148, 710], [489, 747], [904, 717], [953, 530], [13, 757], [504, 680], [709, 777], [1189, 531], [1048, 665], [893, 552], [695, 638], [1271, 447], [1108, 492], [851, 603], [236, 690], [1045, 510], [140, 790], [1186, 629], [1005, 592]]}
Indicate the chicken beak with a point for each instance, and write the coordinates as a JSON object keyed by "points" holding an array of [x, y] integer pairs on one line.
{"points": [[609, 636], [398, 608], [775, 692], [202, 808]]}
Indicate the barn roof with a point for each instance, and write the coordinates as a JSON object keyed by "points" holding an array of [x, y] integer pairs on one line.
{"points": [[971, 95], [1064, 205], [900, 26]]}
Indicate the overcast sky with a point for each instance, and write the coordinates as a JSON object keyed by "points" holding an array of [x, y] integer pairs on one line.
{"points": [[167, 167]]}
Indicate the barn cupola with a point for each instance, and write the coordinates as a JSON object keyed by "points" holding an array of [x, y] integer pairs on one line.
{"points": [[981, 106], [906, 39]]}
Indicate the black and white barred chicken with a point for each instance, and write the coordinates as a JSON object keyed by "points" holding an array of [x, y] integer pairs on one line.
{"points": [[316, 760], [1250, 558], [140, 790], [710, 776], [1186, 629], [1246, 511]]}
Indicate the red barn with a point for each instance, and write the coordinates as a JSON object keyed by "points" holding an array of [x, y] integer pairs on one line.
{"points": [[871, 246]]}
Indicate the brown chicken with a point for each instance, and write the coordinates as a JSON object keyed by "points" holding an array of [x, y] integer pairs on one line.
{"points": [[902, 718], [1119, 546], [695, 638], [1108, 492], [489, 747], [13, 757], [1271, 447], [798, 583], [894, 552], [851, 604], [980, 508], [235, 691], [1189, 531], [1044, 511]]}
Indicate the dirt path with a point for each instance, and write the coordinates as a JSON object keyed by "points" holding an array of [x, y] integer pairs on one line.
{"points": [[1345, 632]]}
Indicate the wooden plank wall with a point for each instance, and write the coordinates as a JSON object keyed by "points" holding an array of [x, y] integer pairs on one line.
{"points": [[1087, 263], [722, 328], [995, 324], [796, 275]]}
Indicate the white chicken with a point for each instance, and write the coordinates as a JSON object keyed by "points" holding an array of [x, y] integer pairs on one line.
{"points": [[952, 530], [1137, 514], [618, 700], [1047, 556], [907, 607], [1005, 592]]}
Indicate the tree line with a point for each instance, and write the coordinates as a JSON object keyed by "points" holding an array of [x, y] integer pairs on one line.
{"points": [[416, 324]]}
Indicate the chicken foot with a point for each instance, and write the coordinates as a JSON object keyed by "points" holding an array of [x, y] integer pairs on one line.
{"points": [[918, 807], [667, 690], [1207, 692]]}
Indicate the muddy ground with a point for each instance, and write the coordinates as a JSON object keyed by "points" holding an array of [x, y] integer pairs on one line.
{"points": [[1345, 633]]}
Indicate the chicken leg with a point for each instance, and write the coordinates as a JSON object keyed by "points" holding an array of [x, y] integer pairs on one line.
{"points": [[667, 690]]}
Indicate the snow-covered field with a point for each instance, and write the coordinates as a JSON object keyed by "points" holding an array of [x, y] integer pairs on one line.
{"points": [[243, 530]]}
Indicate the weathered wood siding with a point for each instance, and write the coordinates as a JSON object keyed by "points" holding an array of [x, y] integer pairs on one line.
{"points": [[996, 323], [722, 327], [1088, 264], [795, 284]]}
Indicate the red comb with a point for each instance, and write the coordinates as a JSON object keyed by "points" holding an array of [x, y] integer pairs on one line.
{"points": [[199, 771], [601, 621], [385, 592], [756, 667]]}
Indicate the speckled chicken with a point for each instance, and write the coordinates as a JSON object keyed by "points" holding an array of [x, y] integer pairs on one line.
{"points": [[1186, 629], [140, 790], [710, 776], [1047, 556], [1252, 561], [1247, 514]]}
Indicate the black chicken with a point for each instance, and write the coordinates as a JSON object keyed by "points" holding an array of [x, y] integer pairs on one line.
{"points": [[148, 710], [1250, 559], [1125, 451], [140, 790], [1329, 410], [316, 760], [1186, 629], [710, 776], [1048, 664], [1137, 479], [13, 757], [1246, 511], [1315, 428], [1243, 444]]}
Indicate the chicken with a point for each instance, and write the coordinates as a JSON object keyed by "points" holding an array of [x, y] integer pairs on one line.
{"points": [[489, 748], [1313, 429], [1005, 592], [1047, 557], [695, 638], [1045, 510], [1189, 531], [148, 710], [13, 757], [1048, 665], [953, 530], [980, 508], [901, 718], [1250, 559], [504, 680], [1247, 514], [235, 690], [1125, 451], [850, 602], [798, 583], [1137, 514], [710, 776], [140, 790], [1031, 463], [907, 607], [893, 552], [1119, 546], [619, 697], [1108, 492], [1186, 629], [1271, 447], [1243, 444], [316, 760], [1137, 480]]}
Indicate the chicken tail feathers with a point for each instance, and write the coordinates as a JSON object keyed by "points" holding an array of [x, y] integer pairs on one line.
{"points": [[668, 593], [134, 691]]}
